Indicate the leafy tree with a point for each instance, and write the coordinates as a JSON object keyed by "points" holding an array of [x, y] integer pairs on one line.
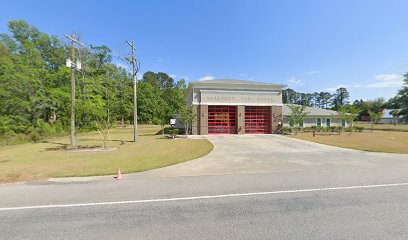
{"points": [[187, 117], [297, 115], [348, 114], [340, 98], [375, 117], [325, 99], [403, 98]]}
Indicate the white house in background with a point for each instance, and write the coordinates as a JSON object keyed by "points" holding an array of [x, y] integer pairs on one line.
{"points": [[315, 117], [388, 118]]}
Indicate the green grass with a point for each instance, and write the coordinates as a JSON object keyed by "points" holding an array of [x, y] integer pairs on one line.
{"points": [[31, 161], [377, 141], [384, 127]]}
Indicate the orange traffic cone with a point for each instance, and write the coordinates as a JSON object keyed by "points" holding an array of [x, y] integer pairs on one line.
{"points": [[119, 175]]}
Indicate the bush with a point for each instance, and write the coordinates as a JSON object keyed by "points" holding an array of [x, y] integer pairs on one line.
{"points": [[320, 129], [332, 129], [309, 129], [349, 129], [173, 132], [45, 129], [34, 136], [296, 129], [358, 129], [287, 130]]}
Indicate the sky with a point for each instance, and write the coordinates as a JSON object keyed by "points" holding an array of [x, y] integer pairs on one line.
{"points": [[309, 45]]}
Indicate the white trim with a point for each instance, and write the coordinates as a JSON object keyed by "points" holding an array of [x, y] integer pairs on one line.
{"points": [[240, 91], [241, 104]]}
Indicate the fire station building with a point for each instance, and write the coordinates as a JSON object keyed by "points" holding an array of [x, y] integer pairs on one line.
{"points": [[235, 107]]}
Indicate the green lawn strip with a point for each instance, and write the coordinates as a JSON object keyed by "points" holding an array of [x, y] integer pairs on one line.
{"points": [[384, 127], [377, 141], [47, 159]]}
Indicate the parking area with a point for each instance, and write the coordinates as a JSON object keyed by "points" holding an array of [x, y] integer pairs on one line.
{"points": [[235, 154]]}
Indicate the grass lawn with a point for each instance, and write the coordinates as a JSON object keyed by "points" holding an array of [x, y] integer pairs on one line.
{"points": [[384, 127], [47, 159], [377, 141]]}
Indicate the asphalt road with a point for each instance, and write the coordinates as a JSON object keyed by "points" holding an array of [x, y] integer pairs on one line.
{"points": [[316, 195]]}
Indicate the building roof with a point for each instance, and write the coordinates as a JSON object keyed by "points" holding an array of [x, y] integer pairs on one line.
{"points": [[387, 113], [225, 83], [311, 111]]}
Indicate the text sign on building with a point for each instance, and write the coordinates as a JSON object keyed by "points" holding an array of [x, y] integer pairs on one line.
{"points": [[240, 97]]}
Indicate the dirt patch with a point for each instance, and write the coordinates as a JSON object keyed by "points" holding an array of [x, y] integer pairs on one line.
{"points": [[92, 149]]}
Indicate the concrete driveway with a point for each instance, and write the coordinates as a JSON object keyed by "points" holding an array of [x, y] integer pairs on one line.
{"points": [[235, 154]]}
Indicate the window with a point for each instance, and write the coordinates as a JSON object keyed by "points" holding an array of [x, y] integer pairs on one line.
{"points": [[318, 122], [343, 122], [328, 122], [290, 124]]}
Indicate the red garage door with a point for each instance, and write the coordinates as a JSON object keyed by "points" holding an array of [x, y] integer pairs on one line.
{"points": [[257, 119], [222, 119]]}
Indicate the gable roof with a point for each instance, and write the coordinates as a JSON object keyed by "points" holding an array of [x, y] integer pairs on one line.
{"points": [[387, 113], [311, 111], [225, 83]]}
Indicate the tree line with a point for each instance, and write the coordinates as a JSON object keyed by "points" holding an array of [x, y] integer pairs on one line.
{"points": [[339, 101], [35, 86], [325, 100]]}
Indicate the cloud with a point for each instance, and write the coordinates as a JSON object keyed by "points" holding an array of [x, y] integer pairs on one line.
{"points": [[311, 72], [121, 65], [295, 81], [387, 81], [208, 77], [139, 75], [333, 89], [389, 77]]}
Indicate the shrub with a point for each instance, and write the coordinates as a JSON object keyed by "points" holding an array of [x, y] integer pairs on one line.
{"points": [[332, 129], [297, 129], [34, 136], [45, 129], [348, 129], [358, 129], [287, 130], [173, 132], [320, 129], [308, 129]]}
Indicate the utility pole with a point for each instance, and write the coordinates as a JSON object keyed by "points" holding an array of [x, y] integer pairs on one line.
{"points": [[73, 65], [135, 69]]}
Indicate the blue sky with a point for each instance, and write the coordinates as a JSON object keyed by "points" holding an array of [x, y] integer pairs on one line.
{"points": [[308, 45]]}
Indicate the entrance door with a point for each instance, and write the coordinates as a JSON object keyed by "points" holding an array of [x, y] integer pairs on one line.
{"points": [[222, 120], [258, 119]]}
